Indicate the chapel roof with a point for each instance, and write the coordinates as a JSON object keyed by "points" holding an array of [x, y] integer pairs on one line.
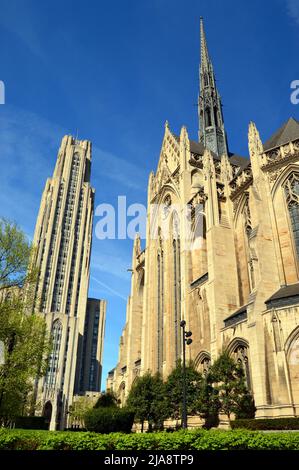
{"points": [[290, 290], [288, 132]]}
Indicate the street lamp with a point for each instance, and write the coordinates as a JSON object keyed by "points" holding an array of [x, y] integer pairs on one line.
{"points": [[186, 340]]}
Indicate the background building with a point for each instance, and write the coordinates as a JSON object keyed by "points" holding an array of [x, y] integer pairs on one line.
{"points": [[236, 282], [92, 348], [62, 238]]}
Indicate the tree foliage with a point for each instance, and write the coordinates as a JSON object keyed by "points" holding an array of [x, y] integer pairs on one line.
{"points": [[106, 400], [23, 334], [78, 409], [222, 389], [109, 419], [208, 402], [174, 390], [15, 252], [228, 380], [147, 398]]}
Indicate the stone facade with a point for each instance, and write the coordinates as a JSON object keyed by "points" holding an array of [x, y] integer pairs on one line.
{"points": [[229, 267], [89, 379]]}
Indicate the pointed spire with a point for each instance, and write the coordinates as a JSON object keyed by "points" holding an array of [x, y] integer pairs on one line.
{"points": [[204, 54], [211, 124]]}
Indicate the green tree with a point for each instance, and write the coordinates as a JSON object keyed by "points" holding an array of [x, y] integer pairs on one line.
{"points": [[15, 253], [147, 398], [78, 410], [23, 334], [174, 390], [228, 378], [246, 408], [106, 400], [208, 402]]}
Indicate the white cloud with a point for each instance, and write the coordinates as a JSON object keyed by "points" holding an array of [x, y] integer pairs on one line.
{"points": [[28, 147], [118, 169], [20, 20], [108, 289], [114, 264], [293, 9], [28, 150]]}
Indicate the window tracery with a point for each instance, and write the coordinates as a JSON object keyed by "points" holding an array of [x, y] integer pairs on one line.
{"points": [[291, 189]]}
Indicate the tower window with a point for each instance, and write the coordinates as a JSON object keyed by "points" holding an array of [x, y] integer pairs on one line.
{"points": [[208, 117], [206, 79], [216, 116]]}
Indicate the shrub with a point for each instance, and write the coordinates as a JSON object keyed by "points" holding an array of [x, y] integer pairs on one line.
{"points": [[106, 420], [266, 424], [31, 422], [20, 439]]}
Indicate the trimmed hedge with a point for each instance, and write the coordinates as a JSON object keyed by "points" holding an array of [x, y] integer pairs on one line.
{"points": [[17, 439], [274, 424], [31, 422], [111, 419]]}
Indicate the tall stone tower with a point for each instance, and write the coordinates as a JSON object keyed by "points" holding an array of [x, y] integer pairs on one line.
{"points": [[211, 126], [62, 239]]}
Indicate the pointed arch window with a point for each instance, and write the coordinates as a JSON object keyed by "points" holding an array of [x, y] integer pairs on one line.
{"points": [[176, 248], [247, 217], [241, 356], [291, 189], [216, 116], [293, 364], [203, 363], [208, 117], [160, 302], [251, 257]]}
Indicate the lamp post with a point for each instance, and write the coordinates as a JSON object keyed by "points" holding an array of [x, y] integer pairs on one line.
{"points": [[186, 340]]}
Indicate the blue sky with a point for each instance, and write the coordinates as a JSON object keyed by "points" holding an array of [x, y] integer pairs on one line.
{"points": [[113, 72]]}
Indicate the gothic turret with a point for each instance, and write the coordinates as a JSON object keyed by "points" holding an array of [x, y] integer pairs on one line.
{"points": [[211, 125]]}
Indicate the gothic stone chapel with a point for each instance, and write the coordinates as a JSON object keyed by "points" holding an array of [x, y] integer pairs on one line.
{"points": [[238, 287]]}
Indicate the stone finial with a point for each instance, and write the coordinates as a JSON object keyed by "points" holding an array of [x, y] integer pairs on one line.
{"points": [[183, 133], [226, 168], [254, 141], [208, 163], [184, 138], [151, 182], [137, 245]]}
